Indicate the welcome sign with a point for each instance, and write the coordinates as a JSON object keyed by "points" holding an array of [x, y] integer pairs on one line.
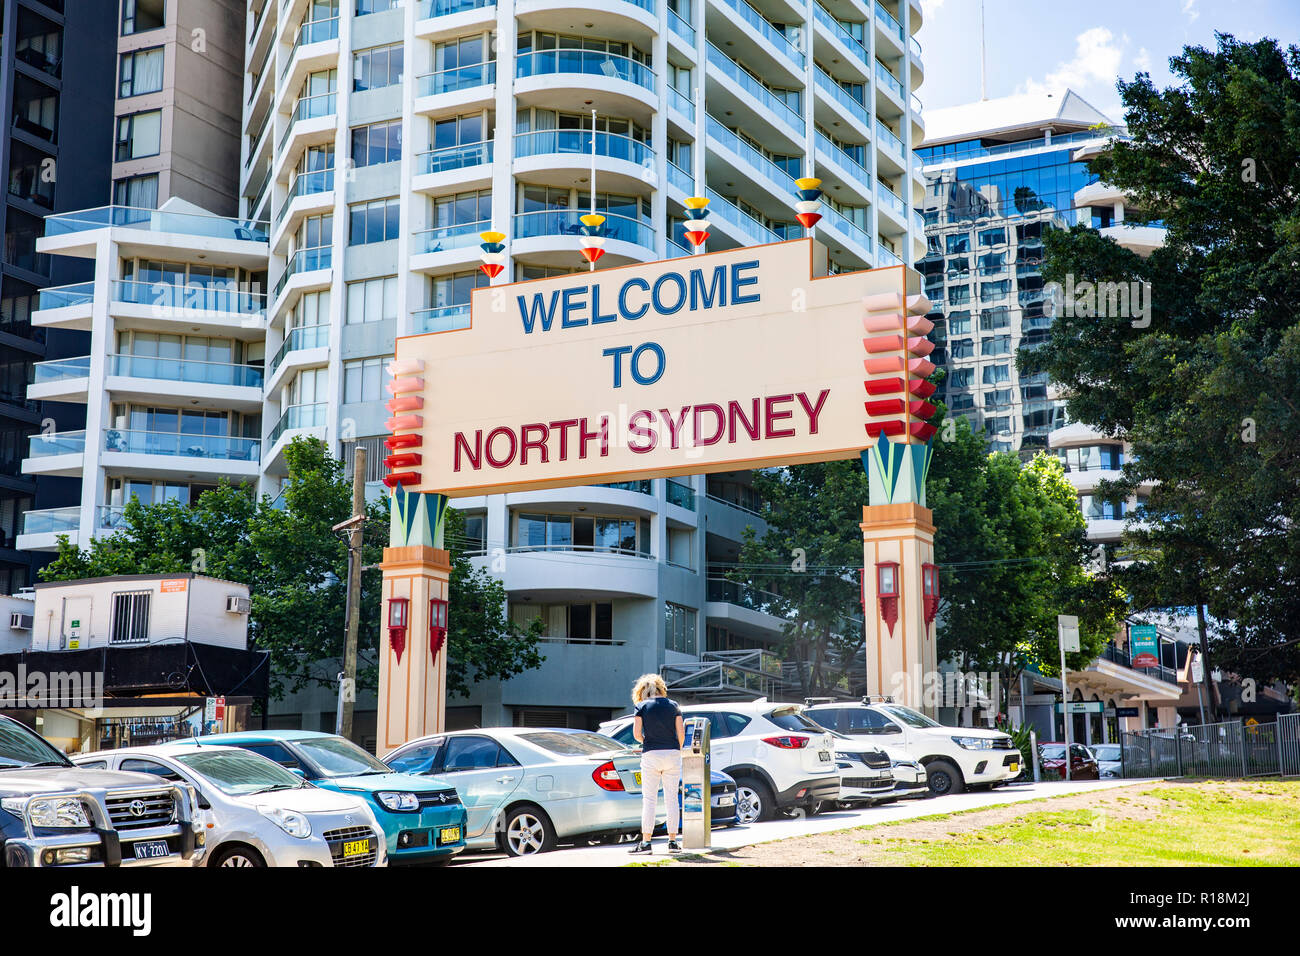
{"points": [[704, 363]]}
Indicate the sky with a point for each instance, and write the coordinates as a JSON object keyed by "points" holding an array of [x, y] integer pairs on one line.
{"points": [[1036, 45]]}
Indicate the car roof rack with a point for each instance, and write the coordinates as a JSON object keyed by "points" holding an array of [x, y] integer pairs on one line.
{"points": [[812, 701], [877, 699]]}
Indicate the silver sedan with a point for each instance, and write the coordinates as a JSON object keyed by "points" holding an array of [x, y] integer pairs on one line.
{"points": [[528, 789]]}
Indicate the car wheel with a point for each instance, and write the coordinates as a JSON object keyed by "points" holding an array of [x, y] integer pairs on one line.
{"points": [[944, 778], [239, 856], [527, 831], [754, 801]]}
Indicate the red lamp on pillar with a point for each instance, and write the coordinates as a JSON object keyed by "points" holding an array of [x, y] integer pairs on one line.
{"points": [[887, 592], [930, 591], [437, 625], [399, 610]]}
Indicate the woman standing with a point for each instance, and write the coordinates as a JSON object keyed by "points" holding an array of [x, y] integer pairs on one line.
{"points": [[659, 728]]}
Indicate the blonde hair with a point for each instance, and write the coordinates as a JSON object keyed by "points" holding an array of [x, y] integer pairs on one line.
{"points": [[647, 686]]}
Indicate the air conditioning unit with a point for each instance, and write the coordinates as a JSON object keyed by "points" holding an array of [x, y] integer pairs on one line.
{"points": [[237, 605], [18, 621]]}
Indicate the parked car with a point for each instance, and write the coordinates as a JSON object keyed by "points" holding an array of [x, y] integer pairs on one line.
{"points": [[722, 799], [423, 819], [1083, 765], [527, 789], [54, 813], [779, 758], [954, 757], [910, 781], [256, 813], [1110, 760]]}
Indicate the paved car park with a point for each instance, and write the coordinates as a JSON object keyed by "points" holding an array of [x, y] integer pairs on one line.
{"points": [[786, 827]]}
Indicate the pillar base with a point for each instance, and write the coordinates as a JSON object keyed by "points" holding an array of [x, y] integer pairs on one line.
{"points": [[412, 687]]}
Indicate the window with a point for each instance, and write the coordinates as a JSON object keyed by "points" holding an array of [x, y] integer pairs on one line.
{"points": [[961, 377], [962, 401], [993, 374], [377, 68], [366, 7], [474, 753], [277, 752], [581, 623], [136, 765], [377, 143], [995, 345], [997, 398], [455, 289], [373, 221], [139, 134], [140, 192], [463, 208], [309, 387], [959, 294], [679, 629], [363, 380], [474, 534], [419, 759], [140, 72], [459, 131], [315, 232], [130, 617], [465, 52], [962, 348], [995, 290], [958, 323], [993, 237], [312, 308], [995, 318], [141, 15], [372, 300], [957, 244]]}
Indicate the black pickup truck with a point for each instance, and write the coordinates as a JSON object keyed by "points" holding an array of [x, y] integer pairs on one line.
{"points": [[56, 814]]}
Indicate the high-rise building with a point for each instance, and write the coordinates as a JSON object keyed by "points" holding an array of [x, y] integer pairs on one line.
{"points": [[56, 89], [998, 174], [379, 139]]}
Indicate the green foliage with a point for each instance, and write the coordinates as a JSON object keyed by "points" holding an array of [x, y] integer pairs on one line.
{"points": [[1209, 393]]}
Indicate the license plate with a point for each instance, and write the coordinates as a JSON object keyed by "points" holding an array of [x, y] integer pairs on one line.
{"points": [[726, 801], [1014, 768], [824, 756], [449, 835], [356, 847], [637, 774], [151, 849]]}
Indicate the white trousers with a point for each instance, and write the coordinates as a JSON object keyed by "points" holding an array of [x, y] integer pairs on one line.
{"points": [[661, 767]]}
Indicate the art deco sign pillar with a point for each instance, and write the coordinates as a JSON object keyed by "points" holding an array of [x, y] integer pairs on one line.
{"points": [[899, 580], [412, 652]]}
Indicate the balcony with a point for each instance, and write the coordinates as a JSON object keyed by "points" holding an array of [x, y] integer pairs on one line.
{"points": [[440, 318], [756, 94], [186, 370], [315, 107], [551, 223], [681, 180], [891, 83], [462, 236], [175, 301], [451, 158], [854, 236], [296, 67], [222, 448], [847, 107], [889, 27], [586, 62], [42, 529], [298, 416], [891, 142], [753, 24], [314, 183], [299, 339], [55, 453], [886, 257], [684, 105], [456, 78], [429, 9], [681, 495], [832, 26], [624, 164], [154, 220], [682, 30], [844, 170], [60, 370], [66, 296], [738, 222], [315, 259], [780, 182]]}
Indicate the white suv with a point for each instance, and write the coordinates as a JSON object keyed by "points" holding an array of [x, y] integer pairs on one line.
{"points": [[954, 757], [779, 758]]}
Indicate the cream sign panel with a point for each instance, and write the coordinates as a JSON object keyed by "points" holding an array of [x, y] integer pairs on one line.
{"points": [[690, 365]]}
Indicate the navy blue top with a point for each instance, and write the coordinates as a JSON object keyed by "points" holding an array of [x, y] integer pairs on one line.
{"points": [[658, 724]]}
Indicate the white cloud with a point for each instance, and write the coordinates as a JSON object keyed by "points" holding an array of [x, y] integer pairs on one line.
{"points": [[1189, 9], [1097, 57], [929, 8], [1142, 61]]}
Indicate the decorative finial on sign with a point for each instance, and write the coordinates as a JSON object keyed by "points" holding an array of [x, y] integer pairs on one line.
{"points": [[697, 227], [494, 253]]}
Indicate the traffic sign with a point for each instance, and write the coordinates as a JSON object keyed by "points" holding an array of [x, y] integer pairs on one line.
{"points": [[1067, 632], [210, 710]]}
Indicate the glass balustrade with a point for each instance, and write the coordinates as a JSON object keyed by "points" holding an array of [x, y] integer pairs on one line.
{"points": [[60, 370], [454, 157], [298, 416], [566, 222], [171, 299], [304, 260], [746, 81], [179, 444], [440, 318], [892, 27], [59, 297], [444, 238], [889, 81], [841, 96], [886, 136], [759, 24], [681, 179], [682, 103], [611, 145], [427, 9], [457, 78], [51, 521], [823, 16], [590, 62], [155, 220], [303, 337], [781, 179], [47, 444], [185, 370]]}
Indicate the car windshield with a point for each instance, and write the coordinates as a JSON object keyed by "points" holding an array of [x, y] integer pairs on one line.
{"points": [[20, 747], [1108, 752], [239, 772], [910, 717], [794, 720], [572, 745], [337, 757], [1053, 753]]}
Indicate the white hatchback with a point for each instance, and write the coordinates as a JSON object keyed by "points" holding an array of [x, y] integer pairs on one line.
{"points": [[779, 759], [254, 812]]}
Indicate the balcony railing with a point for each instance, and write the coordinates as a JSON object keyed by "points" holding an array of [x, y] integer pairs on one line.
{"points": [[565, 222], [155, 220], [886, 20], [756, 22], [826, 147], [303, 337], [886, 257], [732, 214], [823, 16], [311, 183], [56, 443], [846, 227], [746, 81], [724, 591], [831, 88], [60, 370], [589, 62], [308, 107], [427, 9], [456, 78], [780, 179], [681, 28], [683, 496], [51, 521], [180, 444], [312, 31], [298, 416], [676, 250], [890, 201], [1118, 655], [454, 157], [62, 296], [440, 318], [681, 179], [641, 486], [185, 370], [304, 260], [173, 300], [443, 238], [886, 136], [610, 145], [109, 517], [890, 82], [915, 46], [682, 103]]}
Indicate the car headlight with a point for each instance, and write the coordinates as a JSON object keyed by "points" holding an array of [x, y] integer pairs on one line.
{"points": [[974, 743], [290, 821], [50, 812], [397, 801]]}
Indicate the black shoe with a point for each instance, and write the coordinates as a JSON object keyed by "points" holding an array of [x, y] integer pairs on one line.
{"points": [[674, 846], [642, 847]]}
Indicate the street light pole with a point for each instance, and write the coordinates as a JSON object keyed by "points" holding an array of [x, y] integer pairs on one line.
{"points": [[354, 527]]}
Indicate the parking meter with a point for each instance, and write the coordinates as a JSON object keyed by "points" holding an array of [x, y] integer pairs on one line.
{"points": [[697, 798]]}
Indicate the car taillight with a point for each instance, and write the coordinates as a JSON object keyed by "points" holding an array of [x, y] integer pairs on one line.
{"points": [[790, 742], [606, 776]]}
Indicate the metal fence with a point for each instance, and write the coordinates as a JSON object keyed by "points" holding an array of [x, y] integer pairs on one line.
{"points": [[1228, 749]]}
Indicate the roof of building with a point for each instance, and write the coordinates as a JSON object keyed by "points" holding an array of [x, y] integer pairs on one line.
{"points": [[187, 575], [1009, 116]]}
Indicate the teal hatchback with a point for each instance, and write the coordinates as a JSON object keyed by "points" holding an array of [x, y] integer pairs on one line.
{"points": [[423, 817]]}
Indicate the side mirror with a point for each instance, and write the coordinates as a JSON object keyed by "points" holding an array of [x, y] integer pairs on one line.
{"points": [[297, 771], [891, 729]]}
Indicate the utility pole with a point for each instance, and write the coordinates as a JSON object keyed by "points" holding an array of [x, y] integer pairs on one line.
{"points": [[1204, 644], [1067, 636], [353, 527]]}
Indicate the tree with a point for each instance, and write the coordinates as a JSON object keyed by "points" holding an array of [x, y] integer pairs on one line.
{"points": [[296, 570], [1206, 387]]}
